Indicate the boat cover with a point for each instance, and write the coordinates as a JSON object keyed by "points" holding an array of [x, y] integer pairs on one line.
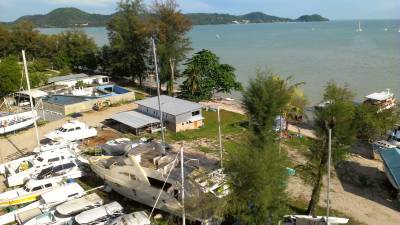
{"points": [[391, 160]]}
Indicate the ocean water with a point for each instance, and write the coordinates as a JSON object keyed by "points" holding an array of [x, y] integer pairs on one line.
{"points": [[314, 53]]}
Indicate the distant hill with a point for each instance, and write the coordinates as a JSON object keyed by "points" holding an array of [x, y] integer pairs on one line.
{"points": [[67, 17], [217, 18], [311, 18], [72, 17]]}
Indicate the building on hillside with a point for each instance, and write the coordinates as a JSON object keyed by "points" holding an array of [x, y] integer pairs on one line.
{"points": [[178, 114], [72, 79]]}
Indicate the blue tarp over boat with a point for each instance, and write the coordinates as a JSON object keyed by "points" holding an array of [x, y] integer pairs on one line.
{"points": [[391, 161]]}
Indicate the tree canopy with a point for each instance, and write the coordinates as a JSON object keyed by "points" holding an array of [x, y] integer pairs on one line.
{"points": [[10, 75], [340, 113], [129, 42], [205, 75], [258, 174], [170, 27]]}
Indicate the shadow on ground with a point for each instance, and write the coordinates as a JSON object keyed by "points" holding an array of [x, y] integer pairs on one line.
{"points": [[367, 182]]}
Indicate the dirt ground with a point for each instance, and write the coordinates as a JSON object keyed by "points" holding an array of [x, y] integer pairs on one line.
{"points": [[359, 187], [14, 145]]}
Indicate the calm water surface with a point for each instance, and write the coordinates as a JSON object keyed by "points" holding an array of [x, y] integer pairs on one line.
{"points": [[311, 52]]}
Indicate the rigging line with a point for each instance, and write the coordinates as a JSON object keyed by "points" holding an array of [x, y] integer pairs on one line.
{"points": [[159, 195]]}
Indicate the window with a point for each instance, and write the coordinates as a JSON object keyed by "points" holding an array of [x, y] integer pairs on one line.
{"points": [[78, 128], [48, 185], [62, 129], [36, 188], [195, 113], [71, 195], [70, 130], [40, 159], [53, 160]]}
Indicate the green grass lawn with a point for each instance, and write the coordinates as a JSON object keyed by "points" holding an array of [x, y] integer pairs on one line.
{"points": [[231, 124]]}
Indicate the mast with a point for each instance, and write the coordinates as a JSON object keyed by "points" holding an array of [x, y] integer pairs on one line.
{"points": [[183, 190], [220, 137], [30, 97], [158, 96]]}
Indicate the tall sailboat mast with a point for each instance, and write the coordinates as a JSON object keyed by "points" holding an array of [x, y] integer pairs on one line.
{"points": [[158, 94], [183, 189], [30, 97]]}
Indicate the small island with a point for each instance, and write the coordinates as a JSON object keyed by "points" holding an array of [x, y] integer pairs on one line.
{"points": [[311, 18]]}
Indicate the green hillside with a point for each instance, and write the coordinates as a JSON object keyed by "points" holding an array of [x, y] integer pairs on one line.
{"points": [[66, 17], [311, 18], [71, 17]]}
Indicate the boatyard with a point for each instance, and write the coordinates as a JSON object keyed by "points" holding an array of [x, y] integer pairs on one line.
{"points": [[378, 205], [138, 118]]}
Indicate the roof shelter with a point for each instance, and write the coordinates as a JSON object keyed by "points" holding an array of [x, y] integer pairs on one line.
{"points": [[136, 120], [170, 105], [67, 77]]}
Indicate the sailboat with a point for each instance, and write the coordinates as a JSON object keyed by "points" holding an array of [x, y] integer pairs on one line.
{"points": [[359, 27], [10, 122]]}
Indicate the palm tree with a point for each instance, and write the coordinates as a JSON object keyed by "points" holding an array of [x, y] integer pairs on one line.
{"points": [[193, 79]]}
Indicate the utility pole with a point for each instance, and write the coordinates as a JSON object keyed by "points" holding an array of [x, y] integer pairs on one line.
{"points": [[220, 137], [172, 65], [183, 190], [158, 95], [30, 97]]}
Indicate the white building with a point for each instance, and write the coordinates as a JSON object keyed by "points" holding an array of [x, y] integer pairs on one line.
{"points": [[72, 79]]}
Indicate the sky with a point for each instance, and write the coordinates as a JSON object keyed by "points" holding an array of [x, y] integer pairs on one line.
{"points": [[333, 9]]}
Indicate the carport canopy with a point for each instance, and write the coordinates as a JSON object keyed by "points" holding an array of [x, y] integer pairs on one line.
{"points": [[135, 119]]}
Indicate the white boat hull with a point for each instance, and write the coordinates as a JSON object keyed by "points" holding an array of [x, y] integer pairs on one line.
{"points": [[18, 126]]}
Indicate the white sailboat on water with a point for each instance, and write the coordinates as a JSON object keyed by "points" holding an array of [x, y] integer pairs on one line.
{"points": [[359, 29]]}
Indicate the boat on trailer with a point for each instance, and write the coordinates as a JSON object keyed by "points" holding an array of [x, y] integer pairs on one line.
{"points": [[28, 193], [47, 201], [65, 212], [98, 215], [135, 218], [72, 131], [18, 171], [148, 172], [10, 122], [313, 220]]}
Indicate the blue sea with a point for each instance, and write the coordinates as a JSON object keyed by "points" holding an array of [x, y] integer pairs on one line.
{"points": [[314, 53]]}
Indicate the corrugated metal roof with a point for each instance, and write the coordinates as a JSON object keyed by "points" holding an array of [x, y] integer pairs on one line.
{"points": [[134, 119], [36, 93], [68, 77], [170, 105], [391, 159]]}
